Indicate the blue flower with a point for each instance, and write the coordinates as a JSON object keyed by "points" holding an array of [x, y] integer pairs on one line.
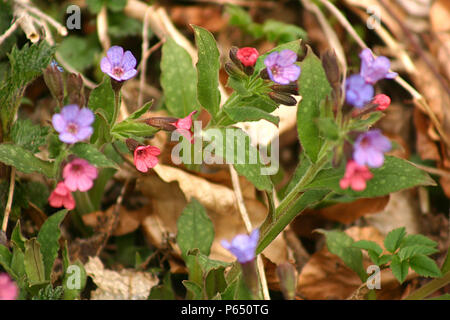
{"points": [[374, 69], [281, 66], [358, 92], [369, 148], [243, 246]]}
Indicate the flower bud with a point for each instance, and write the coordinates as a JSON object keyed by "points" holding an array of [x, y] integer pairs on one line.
{"points": [[264, 74], [282, 98], [233, 70], [383, 101], [288, 280], [233, 56], [54, 81], [331, 67], [288, 88], [164, 123], [74, 86], [132, 144]]}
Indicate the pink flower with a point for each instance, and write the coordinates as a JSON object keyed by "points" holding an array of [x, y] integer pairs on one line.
{"points": [[355, 176], [383, 101], [8, 288], [79, 175], [145, 157], [61, 196], [184, 126], [247, 56]]}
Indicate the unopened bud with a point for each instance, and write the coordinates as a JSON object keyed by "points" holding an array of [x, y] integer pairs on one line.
{"points": [[283, 98], [54, 80], [288, 88], [383, 101], [331, 67], [234, 57], [233, 70], [74, 86], [288, 280], [264, 74], [164, 123]]}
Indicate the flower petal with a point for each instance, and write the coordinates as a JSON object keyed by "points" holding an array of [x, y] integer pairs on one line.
{"points": [[105, 65], [70, 112], [58, 122], [115, 55], [271, 59], [128, 75], [286, 58], [128, 61], [85, 117]]}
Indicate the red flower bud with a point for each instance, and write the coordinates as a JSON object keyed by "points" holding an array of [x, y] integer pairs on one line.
{"points": [[247, 56], [383, 101]]}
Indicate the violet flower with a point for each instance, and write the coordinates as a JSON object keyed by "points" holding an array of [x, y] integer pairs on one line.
{"points": [[369, 148], [73, 124], [243, 246], [281, 66], [374, 69], [358, 92], [119, 65], [79, 174]]}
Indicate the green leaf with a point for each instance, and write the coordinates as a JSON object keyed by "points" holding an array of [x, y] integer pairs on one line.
{"points": [[5, 259], [215, 282], [206, 263], [241, 114], [399, 268], [48, 238], [424, 266], [116, 5], [328, 128], [17, 238], [208, 66], [410, 251], [163, 291], [75, 277], [385, 258], [313, 86], [141, 111], [194, 289], [178, 79], [368, 245], [195, 229], [29, 136], [90, 153], [340, 244], [417, 239], [130, 129], [233, 145], [102, 97], [395, 174], [393, 239], [262, 102], [366, 123], [280, 32], [34, 264], [442, 297], [95, 6], [23, 160]]}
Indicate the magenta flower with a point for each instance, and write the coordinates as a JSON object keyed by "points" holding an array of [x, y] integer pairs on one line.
{"points": [[73, 124], [8, 288], [247, 56], [243, 246], [355, 176], [281, 66], [184, 126], [119, 65], [145, 157], [79, 175], [358, 92], [374, 69], [61, 196], [369, 148]]}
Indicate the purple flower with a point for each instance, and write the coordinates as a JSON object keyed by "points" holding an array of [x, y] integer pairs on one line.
{"points": [[281, 66], [369, 148], [374, 69], [243, 246], [73, 124], [358, 92], [119, 65]]}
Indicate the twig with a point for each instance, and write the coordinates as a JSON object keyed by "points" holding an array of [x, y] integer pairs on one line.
{"points": [[143, 63], [10, 199], [436, 171], [102, 28], [248, 226], [25, 22], [9, 31], [115, 217], [31, 9]]}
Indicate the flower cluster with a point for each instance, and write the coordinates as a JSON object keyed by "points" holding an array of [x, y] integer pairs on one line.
{"points": [[359, 87], [369, 147]]}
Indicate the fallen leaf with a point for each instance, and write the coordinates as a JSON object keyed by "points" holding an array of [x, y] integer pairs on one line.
{"points": [[127, 284]]}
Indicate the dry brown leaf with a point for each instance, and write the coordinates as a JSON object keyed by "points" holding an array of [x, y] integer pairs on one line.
{"points": [[425, 146], [349, 212], [170, 193], [207, 16], [123, 285], [325, 276]]}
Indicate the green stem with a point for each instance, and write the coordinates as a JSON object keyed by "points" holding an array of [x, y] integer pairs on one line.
{"points": [[84, 204], [116, 106], [429, 288]]}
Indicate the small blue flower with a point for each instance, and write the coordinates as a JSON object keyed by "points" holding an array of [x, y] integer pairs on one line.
{"points": [[118, 64], [73, 124], [369, 148], [358, 92], [374, 69], [243, 246], [55, 64], [281, 66]]}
